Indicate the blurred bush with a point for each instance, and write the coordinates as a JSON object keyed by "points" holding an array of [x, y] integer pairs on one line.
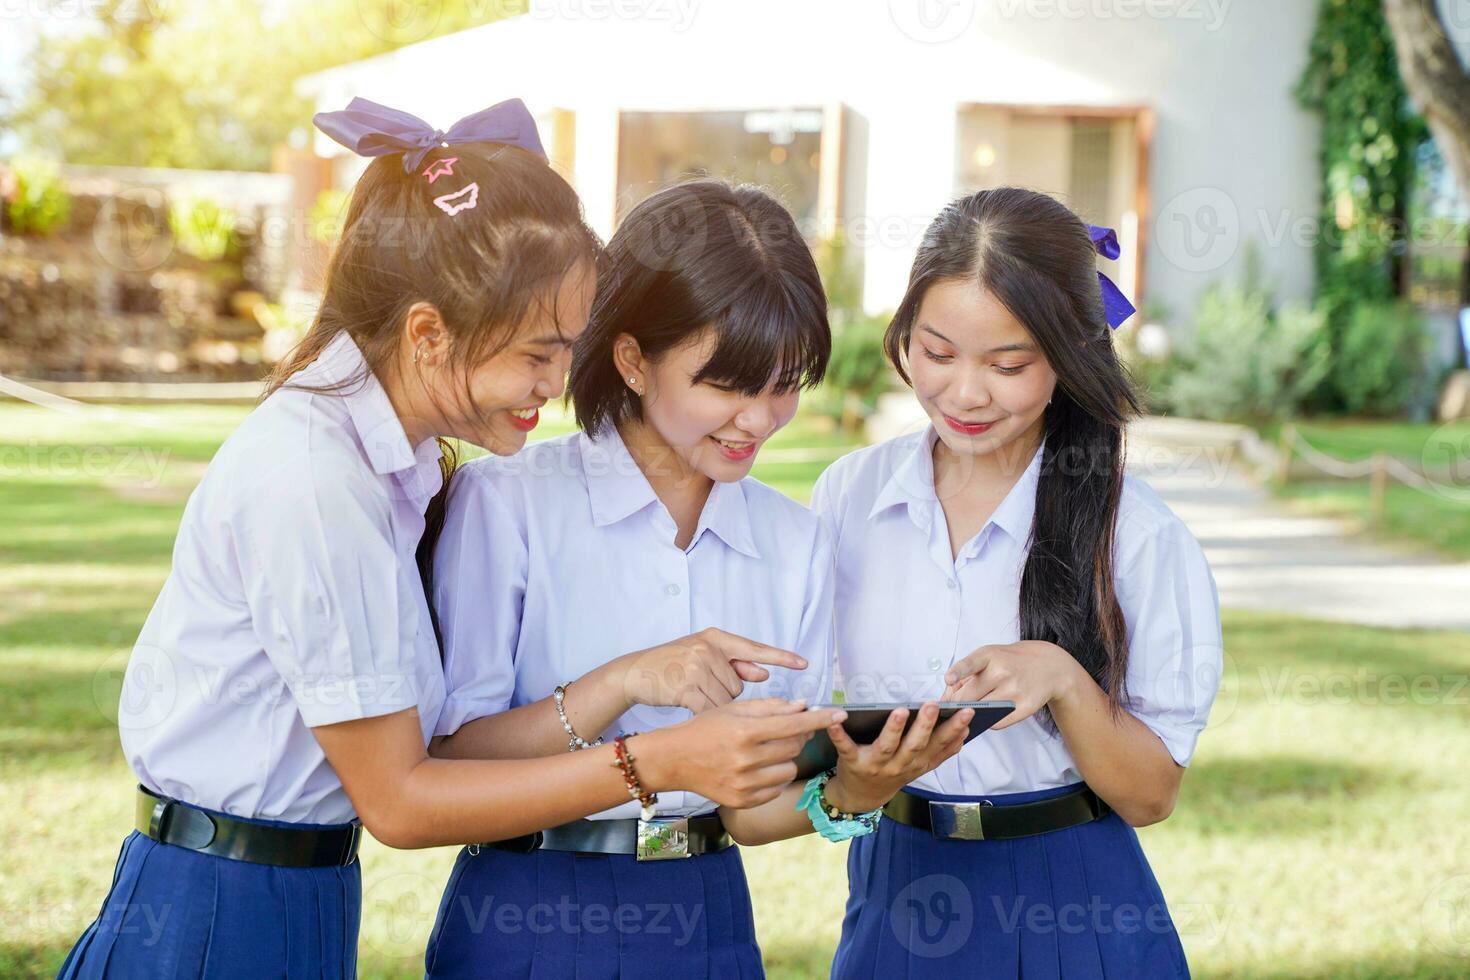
{"points": [[1244, 360], [38, 204], [202, 228], [1382, 359], [328, 213], [858, 371], [284, 326]]}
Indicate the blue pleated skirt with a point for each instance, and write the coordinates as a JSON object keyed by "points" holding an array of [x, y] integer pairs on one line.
{"points": [[1074, 904], [556, 915], [173, 912]]}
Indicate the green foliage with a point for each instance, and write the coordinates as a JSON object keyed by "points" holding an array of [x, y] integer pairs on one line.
{"points": [[328, 212], [202, 228], [1382, 358], [1246, 361], [208, 84], [40, 205], [841, 277], [1315, 758], [859, 370], [1370, 139], [1150, 370], [284, 326]]}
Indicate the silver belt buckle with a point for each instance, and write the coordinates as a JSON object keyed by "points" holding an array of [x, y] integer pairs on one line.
{"points": [[956, 821], [663, 839]]}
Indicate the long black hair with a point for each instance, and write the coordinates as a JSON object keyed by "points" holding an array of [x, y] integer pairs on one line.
{"points": [[1036, 257]]}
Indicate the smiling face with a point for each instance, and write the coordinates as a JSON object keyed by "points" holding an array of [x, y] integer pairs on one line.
{"points": [[507, 390], [977, 371], [708, 428]]}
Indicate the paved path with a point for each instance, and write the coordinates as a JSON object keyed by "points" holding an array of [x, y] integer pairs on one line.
{"points": [[1266, 556]]}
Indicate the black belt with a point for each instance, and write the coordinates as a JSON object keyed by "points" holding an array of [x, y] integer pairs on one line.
{"points": [[982, 820], [667, 837], [174, 822]]}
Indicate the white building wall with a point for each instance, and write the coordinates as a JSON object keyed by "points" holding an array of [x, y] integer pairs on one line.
{"points": [[1233, 161]]}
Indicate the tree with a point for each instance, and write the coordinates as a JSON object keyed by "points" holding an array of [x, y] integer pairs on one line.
{"points": [[1370, 140], [1438, 81], [206, 84]]}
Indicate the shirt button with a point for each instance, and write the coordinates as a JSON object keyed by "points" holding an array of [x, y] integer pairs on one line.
{"points": [[951, 583], [934, 663], [671, 589]]}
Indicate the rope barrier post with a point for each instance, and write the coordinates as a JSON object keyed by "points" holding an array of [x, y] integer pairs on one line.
{"points": [[1287, 447], [1378, 489]]}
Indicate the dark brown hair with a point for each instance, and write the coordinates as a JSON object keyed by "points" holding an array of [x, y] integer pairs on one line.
{"points": [[1036, 257], [483, 269], [704, 254]]}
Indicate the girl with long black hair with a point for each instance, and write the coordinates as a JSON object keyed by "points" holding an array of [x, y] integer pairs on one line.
{"points": [[1001, 553]]}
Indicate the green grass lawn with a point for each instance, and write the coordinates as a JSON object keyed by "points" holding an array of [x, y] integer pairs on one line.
{"points": [[1322, 831], [1440, 519]]}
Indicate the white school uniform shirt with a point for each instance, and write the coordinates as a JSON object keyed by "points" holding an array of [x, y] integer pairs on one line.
{"points": [[561, 558], [293, 601], [907, 609]]}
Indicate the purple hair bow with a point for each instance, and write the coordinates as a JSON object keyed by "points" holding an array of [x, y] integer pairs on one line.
{"points": [[373, 130], [1115, 304]]}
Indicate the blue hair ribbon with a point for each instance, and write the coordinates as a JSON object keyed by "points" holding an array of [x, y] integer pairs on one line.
{"points": [[1115, 304], [372, 130]]}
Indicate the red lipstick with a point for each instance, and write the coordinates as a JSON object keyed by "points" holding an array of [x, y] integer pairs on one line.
{"points": [[968, 430]]}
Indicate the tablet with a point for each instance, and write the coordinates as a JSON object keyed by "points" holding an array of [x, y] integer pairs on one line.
{"points": [[865, 721]]}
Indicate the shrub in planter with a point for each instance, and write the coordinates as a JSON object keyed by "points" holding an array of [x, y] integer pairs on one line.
{"points": [[38, 203], [202, 228]]}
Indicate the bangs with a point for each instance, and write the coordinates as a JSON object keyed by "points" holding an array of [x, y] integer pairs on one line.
{"points": [[769, 335]]}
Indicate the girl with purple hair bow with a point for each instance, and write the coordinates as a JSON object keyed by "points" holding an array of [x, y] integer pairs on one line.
{"points": [[1000, 553]]}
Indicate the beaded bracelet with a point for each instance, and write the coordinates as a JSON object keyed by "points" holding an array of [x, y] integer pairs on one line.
{"points": [[574, 741], [624, 760], [830, 822]]}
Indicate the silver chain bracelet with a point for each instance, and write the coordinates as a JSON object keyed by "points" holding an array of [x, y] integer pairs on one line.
{"points": [[574, 741]]}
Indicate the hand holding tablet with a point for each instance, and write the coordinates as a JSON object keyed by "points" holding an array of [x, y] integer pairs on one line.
{"points": [[865, 723]]}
